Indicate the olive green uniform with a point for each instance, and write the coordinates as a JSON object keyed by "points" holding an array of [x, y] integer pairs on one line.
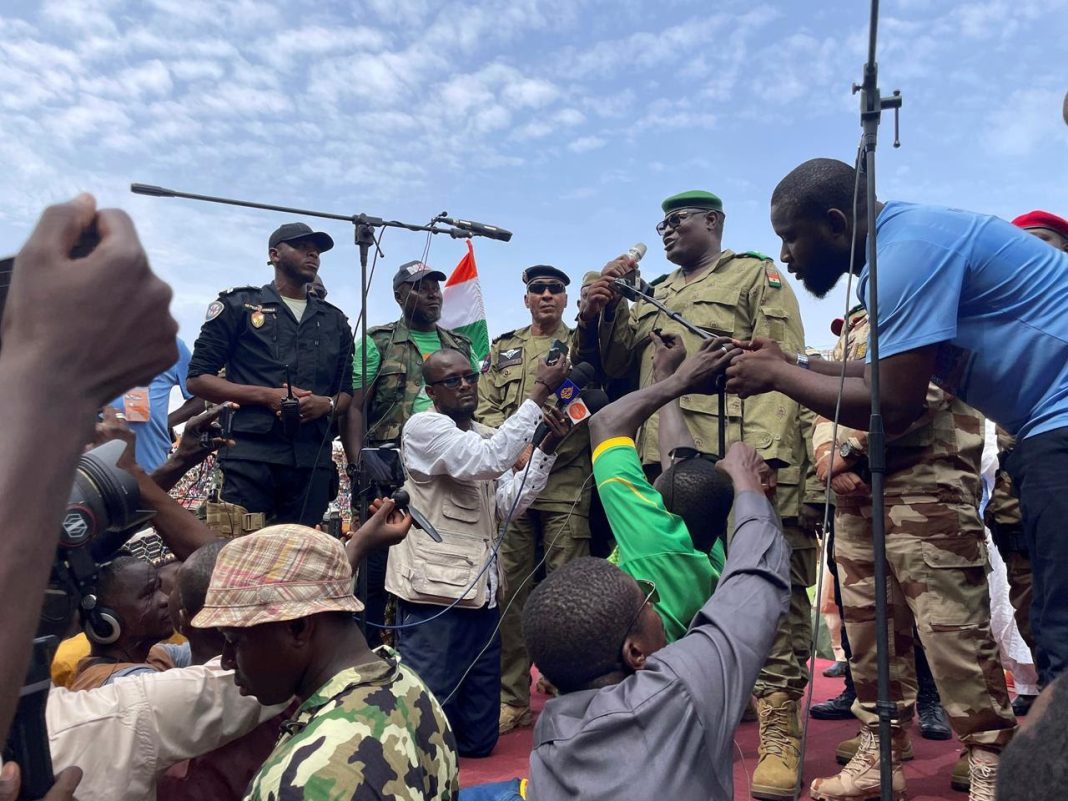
{"points": [[743, 296], [558, 519]]}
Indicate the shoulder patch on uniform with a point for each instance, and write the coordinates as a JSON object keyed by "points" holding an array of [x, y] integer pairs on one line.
{"points": [[510, 357], [215, 308], [774, 279]]}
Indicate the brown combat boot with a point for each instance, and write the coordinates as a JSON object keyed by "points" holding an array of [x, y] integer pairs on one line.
{"points": [[984, 774], [902, 744], [513, 717], [961, 780], [859, 780], [778, 772]]}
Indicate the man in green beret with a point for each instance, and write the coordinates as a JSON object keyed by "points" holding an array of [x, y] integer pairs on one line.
{"points": [[557, 522], [738, 295]]}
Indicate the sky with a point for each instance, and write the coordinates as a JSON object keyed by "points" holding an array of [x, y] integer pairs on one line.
{"points": [[564, 121]]}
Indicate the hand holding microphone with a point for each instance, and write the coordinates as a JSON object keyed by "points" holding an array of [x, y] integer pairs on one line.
{"points": [[605, 292]]}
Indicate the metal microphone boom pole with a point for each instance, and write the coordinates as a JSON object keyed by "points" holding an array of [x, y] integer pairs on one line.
{"points": [[364, 237], [872, 105], [634, 293]]}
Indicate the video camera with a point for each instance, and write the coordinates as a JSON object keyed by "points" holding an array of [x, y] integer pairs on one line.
{"points": [[102, 514]]}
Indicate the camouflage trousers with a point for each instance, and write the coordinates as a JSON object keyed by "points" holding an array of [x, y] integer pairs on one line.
{"points": [[562, 539], [936, 579], [786, 668]]}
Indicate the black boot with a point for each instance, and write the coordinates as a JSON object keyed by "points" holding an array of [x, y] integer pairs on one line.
{"points": [[933, 722], [840, 707]]}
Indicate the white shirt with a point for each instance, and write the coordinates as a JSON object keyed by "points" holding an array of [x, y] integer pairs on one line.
{"points": [[124, 735], [432, 445]]}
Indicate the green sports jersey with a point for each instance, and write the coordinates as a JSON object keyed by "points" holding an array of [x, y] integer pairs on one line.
{"points": [[651, 542]]}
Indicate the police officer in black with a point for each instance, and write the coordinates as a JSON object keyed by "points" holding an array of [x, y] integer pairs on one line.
{"points": [[256, 333]]}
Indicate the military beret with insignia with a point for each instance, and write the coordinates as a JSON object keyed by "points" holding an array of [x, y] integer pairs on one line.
{"points": [[694, 199], [544, 271]]}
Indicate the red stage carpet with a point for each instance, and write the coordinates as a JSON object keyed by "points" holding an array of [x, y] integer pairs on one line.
{"points": [[927, 775]]}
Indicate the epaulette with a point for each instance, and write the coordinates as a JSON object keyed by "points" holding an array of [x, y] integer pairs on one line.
{"points": [[506, 334], [659, 280], [374, 329], [234, 289], [756, 254]]}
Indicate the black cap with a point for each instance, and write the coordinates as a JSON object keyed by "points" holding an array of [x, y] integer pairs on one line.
{"points": [[544, 271], [415, 271], [299, 230]]}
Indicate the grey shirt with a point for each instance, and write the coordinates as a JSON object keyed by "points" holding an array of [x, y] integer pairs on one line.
{"points": [[667, 731]]}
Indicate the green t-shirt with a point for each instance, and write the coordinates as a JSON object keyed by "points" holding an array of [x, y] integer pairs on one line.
{"points": [[427, 341], [651, 542]]}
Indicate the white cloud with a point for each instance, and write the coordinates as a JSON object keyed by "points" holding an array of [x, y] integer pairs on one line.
{"points": [[585, 144]]}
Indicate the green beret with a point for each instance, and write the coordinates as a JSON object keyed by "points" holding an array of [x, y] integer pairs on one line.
{"points": [[694, 199]]}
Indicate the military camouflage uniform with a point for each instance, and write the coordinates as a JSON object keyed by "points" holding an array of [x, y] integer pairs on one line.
{"points": [[399, 380], [559, 518], [1003, 518], [741, 295], [936, 558], [372, 731]]}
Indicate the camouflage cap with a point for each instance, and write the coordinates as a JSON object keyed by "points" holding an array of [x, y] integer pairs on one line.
{"points": [[694, 199], [590, 277], [280, 573]]}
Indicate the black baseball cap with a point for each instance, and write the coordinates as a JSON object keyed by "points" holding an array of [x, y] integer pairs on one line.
{"points": [[299, 230], [414, 271]]}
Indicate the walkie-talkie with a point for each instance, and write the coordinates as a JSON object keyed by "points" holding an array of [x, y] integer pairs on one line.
{"points": [[290, 408]]}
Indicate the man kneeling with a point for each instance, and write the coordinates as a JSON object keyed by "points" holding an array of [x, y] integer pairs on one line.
{"points": [[367, 726], [592, 630]]}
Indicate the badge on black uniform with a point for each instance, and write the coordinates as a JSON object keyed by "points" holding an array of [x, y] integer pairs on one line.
{"points": [[257, 319], [215, 308]]}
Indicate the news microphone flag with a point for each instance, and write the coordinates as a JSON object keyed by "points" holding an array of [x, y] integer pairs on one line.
{"points": [[462, 308]]}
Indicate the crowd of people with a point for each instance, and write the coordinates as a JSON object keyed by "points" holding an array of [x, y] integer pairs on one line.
{"points": [[576, 511]]}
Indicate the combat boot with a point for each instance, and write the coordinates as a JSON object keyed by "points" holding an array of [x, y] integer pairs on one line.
{"points": [[859, 779], [778, 771], [984, 774], [961, 779], [901, 744]]}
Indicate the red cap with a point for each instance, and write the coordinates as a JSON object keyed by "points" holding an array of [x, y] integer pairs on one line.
{"points": [[1042, 219], [836, 326]]}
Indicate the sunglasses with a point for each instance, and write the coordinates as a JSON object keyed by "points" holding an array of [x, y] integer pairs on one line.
{"points": [[539, 287], [453, 381], [651, 597], [674, 220]]}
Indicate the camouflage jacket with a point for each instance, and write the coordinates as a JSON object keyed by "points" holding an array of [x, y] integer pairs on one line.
{"points": [[373, 731], [936, 460], [399, 379], [510, 370]]}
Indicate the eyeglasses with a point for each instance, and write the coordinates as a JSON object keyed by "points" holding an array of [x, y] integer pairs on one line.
{"points": [[539, 287], [674, 220], [651, 597], [453, 381]]}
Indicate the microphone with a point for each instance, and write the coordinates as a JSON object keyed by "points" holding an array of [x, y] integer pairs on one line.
{"points": [[581, 374], [403, 499], [149, 189], [476, 228], [636, 252], [586, 405], [627, 283]]}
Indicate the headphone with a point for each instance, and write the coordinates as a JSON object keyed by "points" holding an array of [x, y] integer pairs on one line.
{"points": [[101, 624]]}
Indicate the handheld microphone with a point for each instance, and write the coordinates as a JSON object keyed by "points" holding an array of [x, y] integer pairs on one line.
{"points": [[587, 405], [476, 228], [626, 284], [636, 252], [581, 374], [403, 499]]}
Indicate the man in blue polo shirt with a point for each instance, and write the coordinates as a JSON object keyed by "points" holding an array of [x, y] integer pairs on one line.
{"points": [[967, 300]]}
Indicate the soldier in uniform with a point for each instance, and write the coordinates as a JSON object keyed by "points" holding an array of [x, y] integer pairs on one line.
{"points": [[257, 334], [395, 391], [732, 294], [367, 726], [936, 557], [558, 519]]}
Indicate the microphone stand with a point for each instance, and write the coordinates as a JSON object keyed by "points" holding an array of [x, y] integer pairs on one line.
{"points": [[364, 236], [872, 105], [634, 293]]}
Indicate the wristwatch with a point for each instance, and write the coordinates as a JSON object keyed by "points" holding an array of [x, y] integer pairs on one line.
{"points": [[803, 361], [847, 450]]}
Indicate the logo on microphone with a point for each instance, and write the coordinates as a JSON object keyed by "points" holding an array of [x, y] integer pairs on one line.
{"points": [[578, 411]]}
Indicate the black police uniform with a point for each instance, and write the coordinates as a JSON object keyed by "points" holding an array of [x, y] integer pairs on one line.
{"points": [[253, 334]]}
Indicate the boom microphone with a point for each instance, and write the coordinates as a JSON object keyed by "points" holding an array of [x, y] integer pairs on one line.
{"points": [[477, 228]]}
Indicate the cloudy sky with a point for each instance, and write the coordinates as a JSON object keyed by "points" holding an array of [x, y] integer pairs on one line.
{"points": [[565, 121]]}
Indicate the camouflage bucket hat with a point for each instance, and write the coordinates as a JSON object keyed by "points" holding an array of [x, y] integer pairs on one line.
{"points": [[279, 573]]}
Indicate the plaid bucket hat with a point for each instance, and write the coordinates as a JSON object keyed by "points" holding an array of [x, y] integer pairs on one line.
{"points": [[279, 573]]}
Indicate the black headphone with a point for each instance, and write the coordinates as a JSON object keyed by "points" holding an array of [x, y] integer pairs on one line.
{"points": [[101, 625]]}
